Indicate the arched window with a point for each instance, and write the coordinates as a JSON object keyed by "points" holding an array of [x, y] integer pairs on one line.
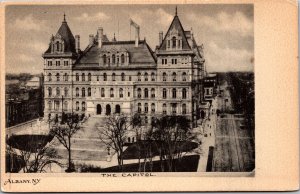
{"points": [[89, 77], [164, 108], [173, 42], [139, 92], [139, 107], [146, 76], [104, 59], [113, 59], [174, 76], [57, 77], [174, 93], [152, 108], [83, 77], [102, 92], [56, 105], [49, 105], [108, 60], [83, 106], [146, 120], [164, 76], [57, 46], [184, 93], [122, 76], [174, 108], [83, 92], [57, 92], [111, 92], [65, 105], [66, 77], [152, 93], [184, 76], [152, 77], [89, 91], [113, 77], [121, 93], [184, 109], [118, 59], [164, 93], [66, 91], [49, 92], [77, 92], [104, 77], [139, 76], [122, 58], [49, 77], [146, 93], [77, 106], [146, 108], [77, 77]]}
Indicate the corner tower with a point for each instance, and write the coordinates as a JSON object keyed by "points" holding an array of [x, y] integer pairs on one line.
{"points": [[177, 71], [59, 58]]}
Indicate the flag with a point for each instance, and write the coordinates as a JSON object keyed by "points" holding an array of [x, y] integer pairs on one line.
{"points": [[132, 23]]}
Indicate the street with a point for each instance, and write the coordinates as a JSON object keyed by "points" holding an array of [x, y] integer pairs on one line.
{"points": [[234, 144]]}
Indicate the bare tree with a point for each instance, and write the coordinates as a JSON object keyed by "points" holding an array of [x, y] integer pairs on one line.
{"points": [[113, 134], [169, 134], [64, 131], [32, 156]]}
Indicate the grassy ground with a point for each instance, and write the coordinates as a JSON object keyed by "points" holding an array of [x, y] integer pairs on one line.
{"points": [[186, 164]]}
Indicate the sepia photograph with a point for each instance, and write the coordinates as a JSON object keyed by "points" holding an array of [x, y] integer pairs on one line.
{"points": [[129, 88]]}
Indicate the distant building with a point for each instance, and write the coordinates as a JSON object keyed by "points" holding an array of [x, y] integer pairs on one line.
{"points": [[34, 83], [209, 85], [27, 106], [124, 76]]}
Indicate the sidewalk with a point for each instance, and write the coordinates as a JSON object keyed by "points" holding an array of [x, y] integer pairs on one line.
{"points": [[208, 136]]}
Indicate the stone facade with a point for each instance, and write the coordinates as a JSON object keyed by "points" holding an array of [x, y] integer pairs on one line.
{"points": [[124, 76]]}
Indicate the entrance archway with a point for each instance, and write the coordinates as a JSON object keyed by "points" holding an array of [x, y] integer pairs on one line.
{"points": [[108, 109], [99, 109], [118, 109]]}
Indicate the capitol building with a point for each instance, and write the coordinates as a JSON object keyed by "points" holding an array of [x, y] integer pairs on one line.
{"points": [[124, 76]]}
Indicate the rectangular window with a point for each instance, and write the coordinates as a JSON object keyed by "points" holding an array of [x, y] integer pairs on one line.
{"points": [[66, 63], [57, 63], [49, 63]]}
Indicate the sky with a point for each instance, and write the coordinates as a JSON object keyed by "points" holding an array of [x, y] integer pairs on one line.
{"points": [[226, 31]]}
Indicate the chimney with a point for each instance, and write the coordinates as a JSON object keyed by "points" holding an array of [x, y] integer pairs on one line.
{"points": [[91, 39], [160, 37], [100, 36], [77, 43], [137, 36]]}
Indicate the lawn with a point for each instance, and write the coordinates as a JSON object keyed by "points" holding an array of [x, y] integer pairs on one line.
{"points": [[139, 149], [186, 164]]}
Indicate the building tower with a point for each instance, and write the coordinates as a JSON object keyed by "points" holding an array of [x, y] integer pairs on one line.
{"points": [[177, 66], [59, 58]]}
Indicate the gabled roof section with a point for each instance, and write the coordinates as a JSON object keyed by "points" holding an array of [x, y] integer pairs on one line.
{"points": [[140, 55], [65, 33], [177, 25]]}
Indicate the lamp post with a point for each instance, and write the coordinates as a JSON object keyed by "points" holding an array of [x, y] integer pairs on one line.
{"points": [[62, 107]]}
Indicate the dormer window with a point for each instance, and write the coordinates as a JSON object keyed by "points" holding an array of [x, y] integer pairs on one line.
{"points": [[122, 58], [173, 42], [104, 59], [57, 45], [113, 59]]}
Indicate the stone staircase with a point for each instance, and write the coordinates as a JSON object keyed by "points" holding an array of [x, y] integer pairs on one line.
{"points": [[86, 146]]}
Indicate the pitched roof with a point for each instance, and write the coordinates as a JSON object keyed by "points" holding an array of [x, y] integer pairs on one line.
{"points": [[138, 56], [177, 25], [66, 34]]}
